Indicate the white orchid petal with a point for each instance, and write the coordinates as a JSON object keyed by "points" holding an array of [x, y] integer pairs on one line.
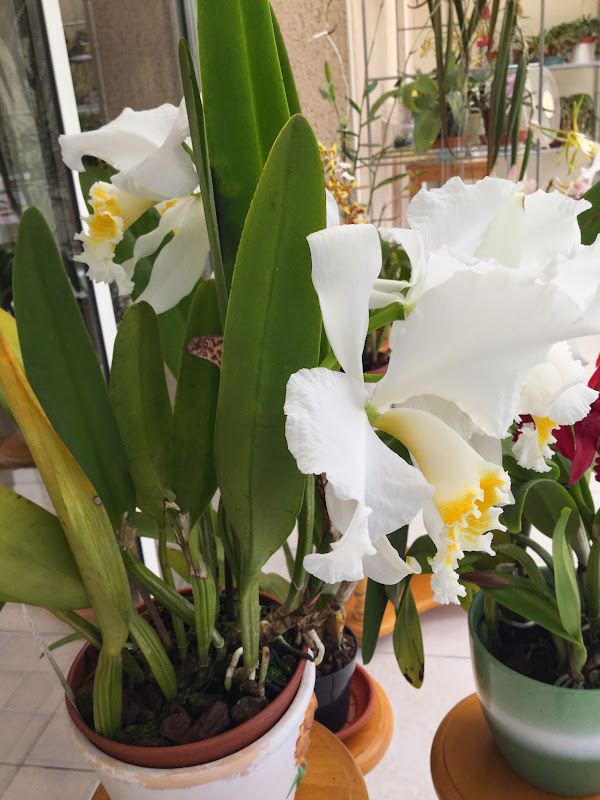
{"points": [[180, 263], [466, 486], [385, 566], [473, 340], [346, 260], [578, 276], [332, 211], [458, 214], [345, 561], [533, 232], [113, 211], [328, 431], [445, 585], [532, 447], [167, 171], [124, 142], [385, 292], [557, 388]]}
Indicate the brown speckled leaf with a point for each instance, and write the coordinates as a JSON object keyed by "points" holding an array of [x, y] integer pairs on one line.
{"points": [[207, 347]]}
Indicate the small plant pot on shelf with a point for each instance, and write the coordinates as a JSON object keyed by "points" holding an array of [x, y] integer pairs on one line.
{"points": [[548, 734], [585, 51], [267, 768], [333, 691]]}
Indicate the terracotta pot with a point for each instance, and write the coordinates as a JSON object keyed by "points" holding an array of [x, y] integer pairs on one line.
{"points": [[333, 693], [186, 755], [363, 696], [265, 769], [548, 734]]}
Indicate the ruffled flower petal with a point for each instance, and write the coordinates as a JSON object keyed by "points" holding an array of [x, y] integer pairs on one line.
{"points": [[345, 561], [467, 490], [180, 263], [328, 431], [473, 340], [145, 147], [385, 292], [557, 388], [346, 260], [113, 211], [385, 566], [532, 447]]}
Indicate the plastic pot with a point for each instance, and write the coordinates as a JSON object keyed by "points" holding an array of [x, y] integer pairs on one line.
{"points": [[267, 768], [549, 735], [333, 693], [186, 755]]}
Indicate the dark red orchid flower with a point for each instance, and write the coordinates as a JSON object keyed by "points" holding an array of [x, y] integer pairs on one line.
{"points": [[579, 443]]}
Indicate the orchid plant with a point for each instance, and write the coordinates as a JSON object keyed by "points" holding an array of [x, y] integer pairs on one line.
{"points": [[277, 401]]}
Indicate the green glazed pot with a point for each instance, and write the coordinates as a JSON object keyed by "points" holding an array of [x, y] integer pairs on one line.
{"points": [[549, 735]]}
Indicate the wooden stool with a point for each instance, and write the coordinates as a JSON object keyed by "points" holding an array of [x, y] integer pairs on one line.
{"points": [[467, 765], [332, 773], [355, 607], [370, 743]]}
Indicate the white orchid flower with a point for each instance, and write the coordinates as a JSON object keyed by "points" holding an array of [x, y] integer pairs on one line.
{"points": [[493, 224], [554, 393], [153, 170], [468, 345]]}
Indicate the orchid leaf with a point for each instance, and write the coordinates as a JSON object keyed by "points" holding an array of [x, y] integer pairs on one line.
{"points": [[565, 580], [291, 92], [520, 596], [589, 220], [244, 115], [408, 639], [140, 399], [527, 541], [272, 293], [172, 324], [541, 500], [525, 561], [62, 366], [178, 562], [274, 584], [38, 567], [192, 443], [376, 601], [592, 588]]}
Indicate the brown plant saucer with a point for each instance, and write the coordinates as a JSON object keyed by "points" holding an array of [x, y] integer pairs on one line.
{"points": [[332, 773], [466, 764], [362, 703], [370, 743]]}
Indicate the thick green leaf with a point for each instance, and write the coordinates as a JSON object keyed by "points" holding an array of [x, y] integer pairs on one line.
{"points": [[62, 366], [172, 324], [192, 444], [592, 587], [291, 92], [541, 500], [273, 329], [274, 584], [522, 558], [423, 549], [201, 159], [520, 596], [245, 106], [565, 580], [375, 602], [526, 541], [408, 640], [140, 399], [427, 129], [589, 220], [38, 567]]}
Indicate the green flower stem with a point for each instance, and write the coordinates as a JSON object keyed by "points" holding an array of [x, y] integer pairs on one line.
{"points": [[169, 597], [382, 317], [305, 540], [249, 619], [165, 568]]}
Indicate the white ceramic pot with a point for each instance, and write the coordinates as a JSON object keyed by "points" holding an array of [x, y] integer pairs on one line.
{"points": [[265, 769], [584, 52]]}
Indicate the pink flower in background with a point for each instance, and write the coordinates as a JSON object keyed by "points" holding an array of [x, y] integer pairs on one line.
{"points": [[485, 14]]}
